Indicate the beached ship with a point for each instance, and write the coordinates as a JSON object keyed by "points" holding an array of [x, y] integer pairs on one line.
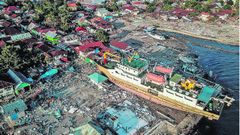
{"points": [[162, 85]]}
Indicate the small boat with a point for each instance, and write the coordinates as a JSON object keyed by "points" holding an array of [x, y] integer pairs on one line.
{"points": [[156, 36], [151, 32]]}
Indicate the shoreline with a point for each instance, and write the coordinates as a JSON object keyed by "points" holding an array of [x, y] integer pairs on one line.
{"points": [[199, 36], [226, 33]]}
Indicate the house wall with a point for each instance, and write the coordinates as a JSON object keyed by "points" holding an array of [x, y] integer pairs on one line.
{"points": [[6, 93]]}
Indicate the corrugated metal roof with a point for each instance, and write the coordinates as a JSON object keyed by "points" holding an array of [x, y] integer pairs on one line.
{"points": [[97, 77], [17, 76], [21, 36], [120, 45], [164, 70], [92, 45], [14, 107], [206, 94], [155, 78], [4, 84], [122, 120], [176, 78]]}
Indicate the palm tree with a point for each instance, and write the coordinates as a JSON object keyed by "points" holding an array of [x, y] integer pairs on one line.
{"points": [[51, 20], [101, 35], [9, 58]]}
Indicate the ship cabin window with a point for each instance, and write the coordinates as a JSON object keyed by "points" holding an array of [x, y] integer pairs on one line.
{"points": [[135, 79], [122, 74], [170, 92], [188, 99], [178, 95], [129, 77], [117, 72]]}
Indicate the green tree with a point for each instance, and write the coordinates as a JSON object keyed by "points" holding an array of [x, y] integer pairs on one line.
{"points": [[193, 14], [39, 10], [227, 6], [151, 7], [101, 35], [113, 7], [222, 2], [27, 6], [168, 2], [9, 58], [198, 7], [64, 17], [167, 7], [51, 20], [190, 4], [236, 8], [47, 6], [36, 57], [205, 8]]}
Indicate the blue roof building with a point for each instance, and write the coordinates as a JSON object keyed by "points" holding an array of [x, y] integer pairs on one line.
{"points": [[13, 112], [20, 80], [121, 120]]}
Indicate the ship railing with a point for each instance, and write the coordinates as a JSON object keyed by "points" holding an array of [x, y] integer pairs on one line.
{"points": [[228, 100], [184, 92]]}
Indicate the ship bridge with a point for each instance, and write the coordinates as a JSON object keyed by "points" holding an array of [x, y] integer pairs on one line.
{"points": [[134, 67]]}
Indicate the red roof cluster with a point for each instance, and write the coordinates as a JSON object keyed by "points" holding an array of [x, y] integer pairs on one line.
{"points": [[182, 12], [155, 78], [224, 12], [127, 6], [98, 44], [80, 29], [100, 23], [64, 59], [13, 15], [164, 70], [137, 2], [205, 13], [11, 8], [120, 45], [44, 30]]}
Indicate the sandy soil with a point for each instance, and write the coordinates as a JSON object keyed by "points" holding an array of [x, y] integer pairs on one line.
{"points": [[227, 32]]}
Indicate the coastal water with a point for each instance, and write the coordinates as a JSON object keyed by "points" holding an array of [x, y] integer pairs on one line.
{"points": [[223, 60]]}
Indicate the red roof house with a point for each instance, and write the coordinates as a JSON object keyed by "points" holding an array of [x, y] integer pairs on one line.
{"points": [[100, 23], [2, 43], [11, 8], [118, 45], [155, 78], [98, 44], [72, 6], [13, 15], [78, 29], [164, 70], [223, 14], [128, 7]]}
